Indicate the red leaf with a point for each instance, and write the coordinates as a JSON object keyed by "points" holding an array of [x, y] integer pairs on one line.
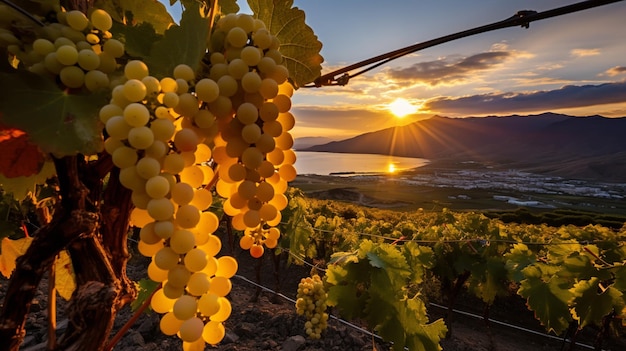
{"points": [[18, 156]]}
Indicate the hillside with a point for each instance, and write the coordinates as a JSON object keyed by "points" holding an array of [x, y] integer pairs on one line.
{"points": [[591, 147]]}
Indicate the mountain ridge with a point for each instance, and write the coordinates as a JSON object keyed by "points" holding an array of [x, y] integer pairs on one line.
{"points": [[590, 147]]}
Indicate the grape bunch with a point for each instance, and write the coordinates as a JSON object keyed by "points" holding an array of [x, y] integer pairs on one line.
{"points": [[78, 51], [311, 303], [253, 146]]}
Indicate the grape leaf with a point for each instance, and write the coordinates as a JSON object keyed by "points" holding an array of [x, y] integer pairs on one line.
{"points": [[22, 186], [132, 12], [590, 306], [184, 44], [137, 39], [10, 250], [549, 301], [19, 157], [620, 277], [145, 289], [64, 279], [298, 44], [58, 122], [517, 259]]}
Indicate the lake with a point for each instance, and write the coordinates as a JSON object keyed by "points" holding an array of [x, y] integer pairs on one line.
{"points": [[325, 163]]}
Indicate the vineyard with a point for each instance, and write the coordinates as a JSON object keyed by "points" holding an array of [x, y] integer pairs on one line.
{"points": [[125, 135]]}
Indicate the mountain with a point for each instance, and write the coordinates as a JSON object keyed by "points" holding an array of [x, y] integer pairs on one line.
{"points": [[585, 147], [306, 142]]}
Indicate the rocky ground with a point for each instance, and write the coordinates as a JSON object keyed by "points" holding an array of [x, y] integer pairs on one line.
{"points": [[270, 323]]}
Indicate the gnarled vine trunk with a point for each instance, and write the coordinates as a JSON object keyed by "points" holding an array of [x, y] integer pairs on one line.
{"points": [[91, 222]]}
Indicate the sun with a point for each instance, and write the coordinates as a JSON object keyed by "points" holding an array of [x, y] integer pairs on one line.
{"points": [[401, 107]]}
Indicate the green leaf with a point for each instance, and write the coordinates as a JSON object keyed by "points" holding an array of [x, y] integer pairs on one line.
{"points": [[137, 39], [489, 279], [145, 289], [419, 258], [57, 121], [590, 306], [20, 187], [620, 277], [428, 337], [133, 12], [517, 259], [184, 44], [549, 301], [228, 6], [298, 44]]}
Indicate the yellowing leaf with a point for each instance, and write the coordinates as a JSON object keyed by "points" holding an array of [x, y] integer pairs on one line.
{"points": [[10, 250], [65, 281]]}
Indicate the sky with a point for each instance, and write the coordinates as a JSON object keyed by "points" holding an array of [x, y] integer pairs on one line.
{"points": [[573, 64]]}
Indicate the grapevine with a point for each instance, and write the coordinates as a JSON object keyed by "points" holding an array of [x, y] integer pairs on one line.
{"points": [[311, 303]]}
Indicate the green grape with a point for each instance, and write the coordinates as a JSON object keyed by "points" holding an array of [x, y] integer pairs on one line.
{"points": [[252, 157], [185, 307], [43, 46], [268, 212], [158, 275], [76, 19], [213, 332], [247, 189], [207, 90], [268, 88], [226, 267], [134, 69], [237, 37], [96, 80], [153, 86], [286, 120], [141, 137], [168, 85], [107, 63], [136, 114], [251, 218], [187, 216], [134, 90], [182, 193], [117, 96], [171, 291], [204, 119], [88, 60], [101, 20], [284, 141], [72, 77], [198, 284], [251, 133], [187, 105], [237, 172], [163, 130], [268, 111], [287, 172], [173, 163], [208, 222], [264, 191], [265, 143], [62, 41], [208, 304], [266, 169], [160, 209], [251, 82], [221, 107], [247, 113], [181, 86], [182, 241], [111, 144], [166, 258], [195, 260], [202, 199], [178, 276], [147, 235], [140, 199], [171, 99], [164, 229], [148, 167], [262, 38], [117, 127], [266, 65], [131, 180], [245, 22], [192, 175], [161, 303], [272, 128], [191, 329], [184, 72], [51, 63], [220, 286], [157, 186], [311, 302], [251, 55], [186, 139], [237, 68], [124, 156], [227, 86], [225, 309], [169, 324]]}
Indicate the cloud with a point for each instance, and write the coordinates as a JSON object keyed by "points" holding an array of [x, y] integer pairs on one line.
{"points": [[585, 52], [445, 71], [569, 96], [613, 71]]}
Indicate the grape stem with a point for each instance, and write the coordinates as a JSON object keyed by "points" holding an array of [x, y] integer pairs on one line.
{"points": [[23, 12]]}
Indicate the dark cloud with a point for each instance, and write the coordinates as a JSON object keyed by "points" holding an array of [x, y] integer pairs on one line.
{"points": [[445, 71], [566, 97], [613, 71]]}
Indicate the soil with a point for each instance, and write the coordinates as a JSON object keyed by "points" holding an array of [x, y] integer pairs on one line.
{"points": [[270, 322]]}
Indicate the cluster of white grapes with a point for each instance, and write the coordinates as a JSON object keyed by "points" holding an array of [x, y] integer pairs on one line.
{"points": [[311, 302], [76, 49], [253, 147], [157, 138]]}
